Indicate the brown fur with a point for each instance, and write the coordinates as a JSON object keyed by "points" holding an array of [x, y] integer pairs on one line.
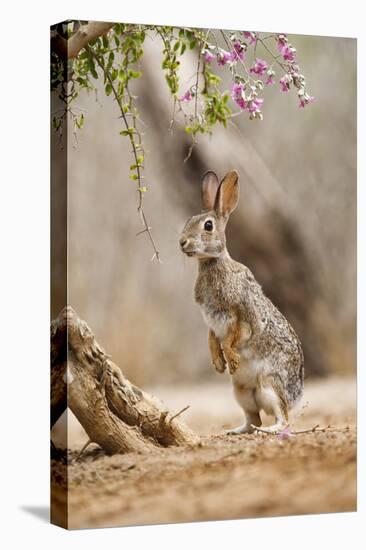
{"points": [[217, 356], [229, 343]]}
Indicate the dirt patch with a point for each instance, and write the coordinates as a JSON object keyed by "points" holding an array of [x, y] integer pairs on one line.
{"points": [[225, 477]]}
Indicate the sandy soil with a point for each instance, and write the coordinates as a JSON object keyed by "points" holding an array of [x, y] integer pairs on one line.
{"points": [[225, 477]]}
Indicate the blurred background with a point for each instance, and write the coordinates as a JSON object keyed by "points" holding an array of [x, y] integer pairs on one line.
{"points": [[295, 226]]}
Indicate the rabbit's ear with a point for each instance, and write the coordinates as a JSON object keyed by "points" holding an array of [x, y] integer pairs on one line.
{"points": [[228, 194], [210, 185]]}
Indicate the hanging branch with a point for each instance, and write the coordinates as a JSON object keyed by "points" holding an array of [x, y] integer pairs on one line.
{"points": [[130, 131]]}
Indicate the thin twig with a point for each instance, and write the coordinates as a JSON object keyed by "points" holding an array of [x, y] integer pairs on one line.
{"points": [[271, 53], [179, 413], [264, 430], [140, 209], [142, 231], [197, 80], [297, 432], [190, 150], [83, 449], [326, 429], [238, 59]]}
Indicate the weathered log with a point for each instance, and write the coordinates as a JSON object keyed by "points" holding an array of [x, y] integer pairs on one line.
{"points": [[116, 415]]}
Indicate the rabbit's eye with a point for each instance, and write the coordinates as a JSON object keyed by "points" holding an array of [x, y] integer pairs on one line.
{"points": [[208, 225]]}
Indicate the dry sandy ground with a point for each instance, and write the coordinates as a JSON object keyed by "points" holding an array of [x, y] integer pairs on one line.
{"points": [[225, 477]]}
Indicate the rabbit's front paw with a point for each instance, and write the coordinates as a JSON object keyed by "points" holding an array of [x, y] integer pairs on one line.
{"points": [[219, 364], [233, 366], [233, 361]]}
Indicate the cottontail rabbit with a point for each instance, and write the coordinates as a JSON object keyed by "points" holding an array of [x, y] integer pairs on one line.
{"points": [[247, 333]]}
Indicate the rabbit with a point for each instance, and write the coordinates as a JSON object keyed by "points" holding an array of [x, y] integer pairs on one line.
{"points": [[247, 334]]}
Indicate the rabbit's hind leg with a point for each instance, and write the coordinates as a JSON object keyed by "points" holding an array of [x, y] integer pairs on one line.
{"points": [[246, 399], [271, 398]]}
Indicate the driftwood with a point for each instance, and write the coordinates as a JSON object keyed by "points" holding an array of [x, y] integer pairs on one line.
{"points": [[116, 415]]}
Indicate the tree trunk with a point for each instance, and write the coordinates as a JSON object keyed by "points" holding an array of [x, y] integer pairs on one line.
{"points": [[116, 415]]}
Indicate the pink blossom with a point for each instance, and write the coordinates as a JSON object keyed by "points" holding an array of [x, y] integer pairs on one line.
{"points": [[259, 67], [306, 99], [281, 42], [224, 57], [238, 51], [187, 96], [208, 56], [288, 53], [254, 105], [285, 49], [250, 36], [285, 434], [270, 78], [285, 84], [238, 95]]}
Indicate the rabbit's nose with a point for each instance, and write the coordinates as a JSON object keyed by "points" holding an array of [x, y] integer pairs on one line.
{"points": [[183, 243]]}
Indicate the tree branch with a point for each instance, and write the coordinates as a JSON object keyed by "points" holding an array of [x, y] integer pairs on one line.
{"points": [[69, 48]]}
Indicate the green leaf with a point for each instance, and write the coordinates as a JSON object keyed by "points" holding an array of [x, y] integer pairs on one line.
{"points": [[134, 74], [80, 121], [128, 132], [108, 89], [110, 60], [92, 67], [121, 75]]}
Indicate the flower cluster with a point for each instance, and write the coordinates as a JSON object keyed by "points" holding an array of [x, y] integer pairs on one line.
{"points": [[292, 77], [238, 51], [260, 66], [286, 50], [225, 57], [247, 99], [245, 88], [250, 37]]}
